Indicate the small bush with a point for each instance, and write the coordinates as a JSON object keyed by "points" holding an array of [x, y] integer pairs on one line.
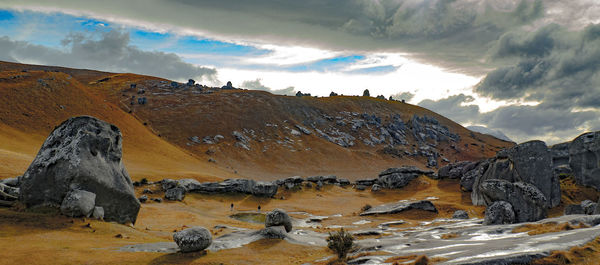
{"points": [[341, 243]]}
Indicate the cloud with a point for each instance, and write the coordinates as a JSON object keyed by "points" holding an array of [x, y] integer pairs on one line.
{"points": [[106, 51], [555, 66], [257, 85], [458, 31], [454, 107], [407, 96], [522, 123]]}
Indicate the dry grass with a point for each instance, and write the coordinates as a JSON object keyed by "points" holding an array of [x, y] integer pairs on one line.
{"points": [[588, 254], [538, 229], [571, 193], [449, 236], [416, 260]]}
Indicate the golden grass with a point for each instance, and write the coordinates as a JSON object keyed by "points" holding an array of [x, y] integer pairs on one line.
{"points": [[449, 236], [588, 254], [551, 227]]}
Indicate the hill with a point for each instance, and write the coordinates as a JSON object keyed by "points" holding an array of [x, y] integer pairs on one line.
{"points": [[179, 130]]}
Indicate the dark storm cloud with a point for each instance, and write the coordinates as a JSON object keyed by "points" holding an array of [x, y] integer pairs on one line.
{"points": [[521, 123], [452, 33], [110, 52], [555, 66], [257, 85], [455, 107]]}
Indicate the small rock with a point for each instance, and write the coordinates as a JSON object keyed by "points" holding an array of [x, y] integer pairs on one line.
{"points": [[193, 239], [460, 214], [98, 213], [279, 217], [588, 206], [143, 198], [375, 188], [175, 194], [78, 203], [159, 200], [147, 191]]}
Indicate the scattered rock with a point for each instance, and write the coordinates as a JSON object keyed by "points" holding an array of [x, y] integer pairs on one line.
{"points": [[143, 198], [82, 153], [375, 188], [574, 209], [395, 178], [279, 217], [500, 212], [175, 194], [147, 191], [159, 200], [400, 206], [588, 206], [193, 239], [273, 232], [460, 214], [78, 203], [257, 188]]}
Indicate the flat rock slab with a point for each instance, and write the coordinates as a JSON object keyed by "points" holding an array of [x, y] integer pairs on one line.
{"points": [[400, 206]]}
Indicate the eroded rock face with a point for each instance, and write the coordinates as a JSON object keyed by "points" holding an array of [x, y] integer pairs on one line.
{"points": [[500, 212], [395, 178], [584, 161], [528, 162], [396, 207], [247, 186], [278, 217], [527, 201], [193, 239], [82, 153]]}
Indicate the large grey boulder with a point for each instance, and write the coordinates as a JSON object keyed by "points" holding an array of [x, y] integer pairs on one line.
{"points": [[78, 203], [467, 180], [278, 217], [528, 162], [456, 170], [528, 202], [395, 178], [584, 154], [82, 153], [193, 239], [500, 212]]}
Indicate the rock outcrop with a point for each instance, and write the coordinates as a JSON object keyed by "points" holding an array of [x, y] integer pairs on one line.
{"points": [[278, 217], [529, 163], [82, 153], [193, 239], [78, 203], [401, 206], [528, 202], [584, 159], [395, 178]]}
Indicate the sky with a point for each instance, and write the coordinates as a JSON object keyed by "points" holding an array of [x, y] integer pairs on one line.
{"points": [[528, 68]]}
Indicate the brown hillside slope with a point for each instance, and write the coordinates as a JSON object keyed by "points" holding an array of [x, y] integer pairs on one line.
{"points": [[183, 116], [33, 102]]}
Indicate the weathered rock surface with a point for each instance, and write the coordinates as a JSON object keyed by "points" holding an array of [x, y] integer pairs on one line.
{"points": [[193, 239], [527, 201], [278, 217], [574, 209], [588, 206], [528, 162], [395, 178], [500, 212], [175, 194], [246, 186], [460, 214], [456, 170], [584, 153], [400, 206], [98, 213], [78, 203], [82, 153]]}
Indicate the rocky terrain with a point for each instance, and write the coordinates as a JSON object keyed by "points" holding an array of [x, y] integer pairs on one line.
{"points": [[421, 187]]}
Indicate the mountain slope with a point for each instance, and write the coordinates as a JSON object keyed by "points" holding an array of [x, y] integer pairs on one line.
{"points": [[496, 133], [243, 133]]}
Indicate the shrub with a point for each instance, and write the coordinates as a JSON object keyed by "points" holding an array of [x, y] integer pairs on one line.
{"points": [[341, 243]]}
